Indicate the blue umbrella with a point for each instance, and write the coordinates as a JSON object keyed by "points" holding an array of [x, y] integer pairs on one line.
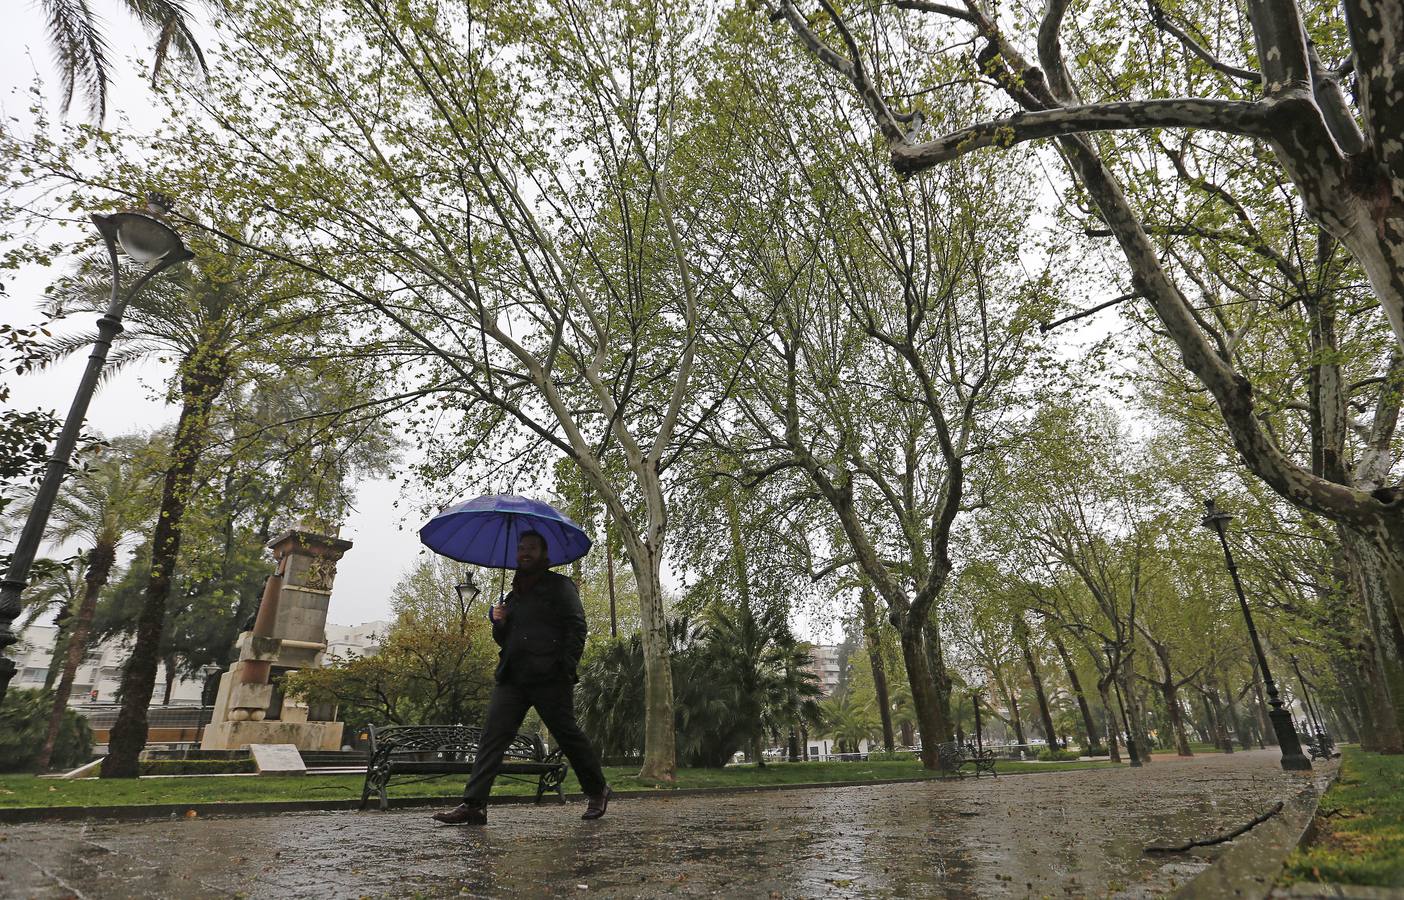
{"points": [[484, 531]]}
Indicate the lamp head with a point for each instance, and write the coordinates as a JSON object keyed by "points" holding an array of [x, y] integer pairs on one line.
{"points": [[142, 234], [467, 591], [1215, 519]]}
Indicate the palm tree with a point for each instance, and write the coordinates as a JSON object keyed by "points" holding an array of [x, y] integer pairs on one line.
{"points": [[75, 34], [109, 500], [848, 722], [213, 317], [768, 685]]}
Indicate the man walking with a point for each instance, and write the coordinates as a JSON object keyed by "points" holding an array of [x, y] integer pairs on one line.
{"points": [[541, 630]]}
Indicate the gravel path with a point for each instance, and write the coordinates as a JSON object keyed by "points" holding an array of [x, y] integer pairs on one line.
{"points": [[1068, 834]]}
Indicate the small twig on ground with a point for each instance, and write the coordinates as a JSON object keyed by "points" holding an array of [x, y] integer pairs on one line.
{"points": [[1217, 839]]}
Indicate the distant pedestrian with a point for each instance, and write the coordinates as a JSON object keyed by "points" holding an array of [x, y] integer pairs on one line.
{"points": [[541, 630]]}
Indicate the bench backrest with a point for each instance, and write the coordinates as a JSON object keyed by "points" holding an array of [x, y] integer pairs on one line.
{"points": [[396, 740]]}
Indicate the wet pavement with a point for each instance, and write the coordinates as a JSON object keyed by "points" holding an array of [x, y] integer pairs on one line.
{"points": [[1067, 834]]}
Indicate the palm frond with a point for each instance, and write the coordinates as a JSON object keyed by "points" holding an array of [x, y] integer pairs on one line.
{"points": [[60, 347], [81, 50], [170, 20]]}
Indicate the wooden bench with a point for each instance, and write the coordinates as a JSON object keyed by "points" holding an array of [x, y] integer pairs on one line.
{"points": [[435, 750], [955, 757]]}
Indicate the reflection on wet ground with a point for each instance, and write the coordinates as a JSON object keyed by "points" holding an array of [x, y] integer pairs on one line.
{"points": [[1070, 834]]}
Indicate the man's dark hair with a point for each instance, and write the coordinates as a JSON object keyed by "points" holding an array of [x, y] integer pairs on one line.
{"points": [[535, 534]]}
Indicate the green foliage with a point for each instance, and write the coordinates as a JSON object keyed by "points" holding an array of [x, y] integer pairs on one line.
{"points": [[894, 756], [197, 766], [435, 667], [23, 719], [1048, 754], [1359, 826], [848, 720], [723, 697]]}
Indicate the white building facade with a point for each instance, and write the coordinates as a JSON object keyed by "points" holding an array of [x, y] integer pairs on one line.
{"points": [[100, 674]]}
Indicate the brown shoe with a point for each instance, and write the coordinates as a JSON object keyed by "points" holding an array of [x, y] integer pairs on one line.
{"points": [[597, 805], [464, 814]]}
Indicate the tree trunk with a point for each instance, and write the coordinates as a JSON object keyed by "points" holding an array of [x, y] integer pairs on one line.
{"points": [[1177, 717], [1044, 714], [1368, 566], [934, 728], [100, 560], [1088, 722], [1014, 718], [1171, 696], [872, 636], [1216, 723], [169, 664], [740, 570], [660, 736], [609, 574], [60, 652], [1104, 691], [200, 385]]}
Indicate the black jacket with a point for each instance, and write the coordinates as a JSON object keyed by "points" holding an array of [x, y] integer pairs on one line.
{"points": [[544, 632]]}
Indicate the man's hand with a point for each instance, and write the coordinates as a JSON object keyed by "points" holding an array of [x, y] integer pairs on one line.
{"points": [[499, 612]]}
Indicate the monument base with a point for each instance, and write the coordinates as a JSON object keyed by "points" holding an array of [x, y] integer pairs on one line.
{"points": [[302, 735]]}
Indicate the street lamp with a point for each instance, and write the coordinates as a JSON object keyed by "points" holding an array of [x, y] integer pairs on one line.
{"points": [[467, 591], [1135, 759], [207, 672], [979, 738], [147, 240], [1292, 759]]}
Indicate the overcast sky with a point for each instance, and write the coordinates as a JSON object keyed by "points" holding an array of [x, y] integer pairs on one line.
{"points": [[385, 544]]}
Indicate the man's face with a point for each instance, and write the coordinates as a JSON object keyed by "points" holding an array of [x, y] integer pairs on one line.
{"points": [[531, 554]]}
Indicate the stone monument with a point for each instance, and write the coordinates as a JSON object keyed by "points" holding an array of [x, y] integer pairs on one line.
{"points": [[289, 632]]}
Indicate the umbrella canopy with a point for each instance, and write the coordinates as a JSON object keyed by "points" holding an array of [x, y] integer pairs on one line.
{"points": [[484, 531]]}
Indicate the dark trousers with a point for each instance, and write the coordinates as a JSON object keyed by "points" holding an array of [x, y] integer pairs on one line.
{"points": [[555, 703]]}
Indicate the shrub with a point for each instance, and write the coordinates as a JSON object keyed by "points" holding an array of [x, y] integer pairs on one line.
{"points": [[893, 756], [1048, 754], [24, 718], [197, 766]]}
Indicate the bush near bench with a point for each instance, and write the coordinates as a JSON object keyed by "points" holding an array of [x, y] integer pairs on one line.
{"points": [[197, 766], [1048, 754]]}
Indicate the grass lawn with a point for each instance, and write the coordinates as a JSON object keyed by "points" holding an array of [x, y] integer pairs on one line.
{"points": [[29, 791], [1360, 826]]}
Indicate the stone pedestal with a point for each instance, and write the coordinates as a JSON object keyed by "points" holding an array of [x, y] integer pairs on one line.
{"points": [[302, 735], [289, 633]]}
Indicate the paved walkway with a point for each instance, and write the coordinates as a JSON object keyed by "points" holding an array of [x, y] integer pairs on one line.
{"points": [[1070, 834]]}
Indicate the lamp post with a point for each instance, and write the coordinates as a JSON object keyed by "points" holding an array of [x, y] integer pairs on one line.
{"points": [[149, 241], [467, 591], [1217, 520], [979, 738], [1131, 754]]}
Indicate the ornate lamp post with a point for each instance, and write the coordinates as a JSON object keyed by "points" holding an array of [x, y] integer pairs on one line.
{"points": [[467, 591], [1292, 759], [979, 738], [149, 241], [1135, 759]]}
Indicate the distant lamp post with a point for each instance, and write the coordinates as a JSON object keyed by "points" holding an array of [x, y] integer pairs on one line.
{"points": [[467, 591], [1292, 758], [207, 673], [979, 738], [1131, 754], [147, 240]]}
